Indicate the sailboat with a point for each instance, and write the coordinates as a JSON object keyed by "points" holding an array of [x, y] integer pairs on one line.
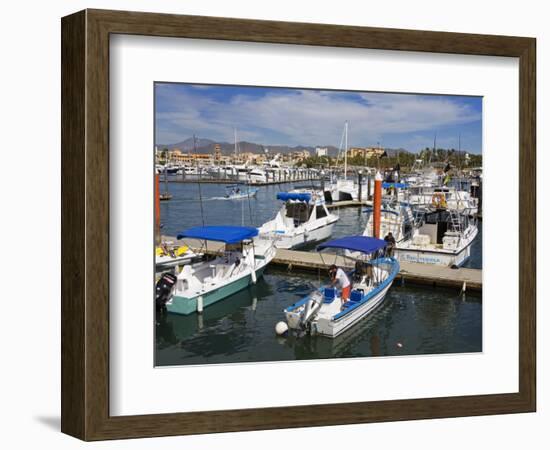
{"points": [[344, 189]]}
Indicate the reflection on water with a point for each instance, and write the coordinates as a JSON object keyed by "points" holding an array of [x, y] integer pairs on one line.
{"points": [[411, 321]]}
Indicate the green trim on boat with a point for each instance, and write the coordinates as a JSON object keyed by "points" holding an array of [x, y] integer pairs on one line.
{"points": [[188, 305]]}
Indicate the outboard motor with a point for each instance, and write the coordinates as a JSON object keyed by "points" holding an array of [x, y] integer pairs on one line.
{"points": [[164, 288]]}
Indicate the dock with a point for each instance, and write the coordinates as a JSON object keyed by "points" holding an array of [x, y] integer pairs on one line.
{"points": [[425, 274], [193, 179], [421, 274]]}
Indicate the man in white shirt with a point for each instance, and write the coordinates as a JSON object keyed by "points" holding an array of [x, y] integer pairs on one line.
{"points": [[340, 279]]}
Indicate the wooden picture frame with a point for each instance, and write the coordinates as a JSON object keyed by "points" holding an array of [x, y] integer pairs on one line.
{"points": [[85, 224]]}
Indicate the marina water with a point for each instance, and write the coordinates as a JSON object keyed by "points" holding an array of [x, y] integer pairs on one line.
{"points": [[413, 320]]}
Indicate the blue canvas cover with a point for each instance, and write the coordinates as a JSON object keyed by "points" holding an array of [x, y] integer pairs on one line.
{"points": [[363, 244], [300, 196], [386, 185], [228, 234]]}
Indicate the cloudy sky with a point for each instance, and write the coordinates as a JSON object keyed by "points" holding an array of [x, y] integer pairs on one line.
{"points": [[272, 116]]}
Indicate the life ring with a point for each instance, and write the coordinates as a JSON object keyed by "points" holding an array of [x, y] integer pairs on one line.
{"points": [[438, 200]]}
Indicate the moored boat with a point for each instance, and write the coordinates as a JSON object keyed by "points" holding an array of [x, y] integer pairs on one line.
{"points": [[303, 219], [324, 312], [438, 236], [240, 262]]}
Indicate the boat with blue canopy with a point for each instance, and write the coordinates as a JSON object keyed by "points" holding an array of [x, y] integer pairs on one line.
{"points": [[238, 262], [303, 219], [325, 311]]}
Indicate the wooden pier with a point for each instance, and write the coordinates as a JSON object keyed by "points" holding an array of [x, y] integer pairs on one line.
{"points": [[422, 274], [425, 274]]}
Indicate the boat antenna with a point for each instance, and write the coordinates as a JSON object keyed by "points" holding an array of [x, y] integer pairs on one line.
{"points": [[340, 149]]}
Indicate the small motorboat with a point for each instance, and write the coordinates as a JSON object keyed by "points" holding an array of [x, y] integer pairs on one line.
{"points": [[324, 312], [239, 263], [236, 192]]}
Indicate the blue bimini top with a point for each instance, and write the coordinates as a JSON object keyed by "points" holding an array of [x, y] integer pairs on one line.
{"points": [[300, 196], [363, 244], [228, 234], [386, 185]]}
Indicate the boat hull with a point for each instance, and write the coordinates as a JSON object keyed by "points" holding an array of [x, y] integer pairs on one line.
{"points": [[353, 312], [446, 258], [434, 257], [333, 328], [189, 305], [289, 242]]}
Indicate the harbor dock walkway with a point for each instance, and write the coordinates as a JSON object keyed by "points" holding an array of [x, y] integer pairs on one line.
{"points": [[422, 274], [237, 181]]}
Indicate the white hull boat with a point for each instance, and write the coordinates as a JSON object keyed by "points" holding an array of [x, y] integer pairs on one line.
{"points": [[303, 220], [438, 237], [257, 176], [240, 264], [324, 312]]}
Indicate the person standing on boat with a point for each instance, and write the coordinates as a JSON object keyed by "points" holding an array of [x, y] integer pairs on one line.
{"points": [[339, 278], [390, 244]]}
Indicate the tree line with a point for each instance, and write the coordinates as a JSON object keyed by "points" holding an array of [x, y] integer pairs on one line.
{"points": [[405, 159]]}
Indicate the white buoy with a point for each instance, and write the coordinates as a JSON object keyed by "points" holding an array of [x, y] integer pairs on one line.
{"points": [[281, 328], [199, 304]]}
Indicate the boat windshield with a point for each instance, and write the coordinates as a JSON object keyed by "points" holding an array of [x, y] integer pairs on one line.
{"points": [[299, 211]]}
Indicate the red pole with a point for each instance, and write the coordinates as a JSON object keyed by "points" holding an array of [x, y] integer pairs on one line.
{"points": [[377, 204], [157, 208]]}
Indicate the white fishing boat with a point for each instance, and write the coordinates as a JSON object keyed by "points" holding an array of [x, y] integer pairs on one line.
{"points": [[324, 312], [440, 197], [303, 219], [240, 262], [441, 237]]}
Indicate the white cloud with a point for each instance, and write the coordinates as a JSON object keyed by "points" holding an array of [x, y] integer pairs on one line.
{"points": [[306, 116]]}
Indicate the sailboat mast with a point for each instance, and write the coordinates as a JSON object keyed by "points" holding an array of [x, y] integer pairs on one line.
{"points": [[235, 137], [346, 151], [435, 139], [459, 154]]}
